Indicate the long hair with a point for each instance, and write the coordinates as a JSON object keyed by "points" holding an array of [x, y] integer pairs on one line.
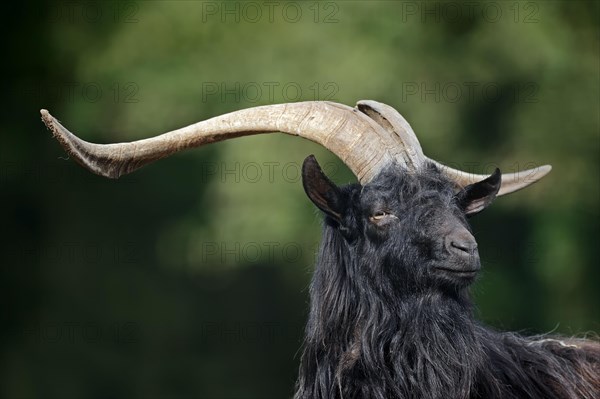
{"points": [[377, 329]]}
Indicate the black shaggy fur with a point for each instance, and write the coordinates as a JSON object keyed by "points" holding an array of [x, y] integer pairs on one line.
{"points": [[388, 320]]}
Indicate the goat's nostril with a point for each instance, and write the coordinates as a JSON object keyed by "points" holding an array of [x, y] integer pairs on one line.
{"points": [[466, 246], [461, 242]]}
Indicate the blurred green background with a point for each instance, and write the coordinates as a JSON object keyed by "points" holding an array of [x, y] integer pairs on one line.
{"points": [[189, 278]]}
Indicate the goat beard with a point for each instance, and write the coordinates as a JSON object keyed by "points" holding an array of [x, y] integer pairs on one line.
{"points": [[426, 348]]}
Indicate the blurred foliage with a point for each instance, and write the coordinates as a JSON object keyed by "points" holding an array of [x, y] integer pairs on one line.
{"points": [[188, 278]]}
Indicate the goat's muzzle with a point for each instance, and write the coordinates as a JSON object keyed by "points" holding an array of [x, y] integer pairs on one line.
{"points": [[462, 257]]}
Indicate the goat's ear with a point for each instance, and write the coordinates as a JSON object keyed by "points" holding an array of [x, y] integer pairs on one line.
{"points": [[475, 197], [321, 191]]}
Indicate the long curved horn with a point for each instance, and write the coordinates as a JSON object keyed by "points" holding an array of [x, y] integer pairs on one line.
{"points": [[412, 154], [366, 139], [356, 139]]}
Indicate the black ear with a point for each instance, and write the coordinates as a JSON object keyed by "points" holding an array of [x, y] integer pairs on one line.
{"points": [[475, 197], [321, 191]]}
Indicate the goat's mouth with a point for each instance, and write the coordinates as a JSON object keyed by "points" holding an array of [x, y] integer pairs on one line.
{"points": [[460, 272]]}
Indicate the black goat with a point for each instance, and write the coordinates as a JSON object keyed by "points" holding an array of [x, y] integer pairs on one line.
{"points": [[390, 312]]}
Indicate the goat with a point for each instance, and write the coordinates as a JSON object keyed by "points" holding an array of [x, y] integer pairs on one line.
{"points": [[390, 312]]}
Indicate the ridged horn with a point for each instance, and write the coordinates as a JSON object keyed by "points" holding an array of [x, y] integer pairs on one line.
{"points": [[511, 182], [366, 138], [355, 138], [409, 150]]}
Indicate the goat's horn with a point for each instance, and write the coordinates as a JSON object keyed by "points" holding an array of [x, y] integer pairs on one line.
{"points": [[365, 141], [511, 182], [407, 148], [410, 152], [355, 138]]}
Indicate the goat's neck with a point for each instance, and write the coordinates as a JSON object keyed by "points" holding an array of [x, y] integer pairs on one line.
{"points": [[430, 343]]}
